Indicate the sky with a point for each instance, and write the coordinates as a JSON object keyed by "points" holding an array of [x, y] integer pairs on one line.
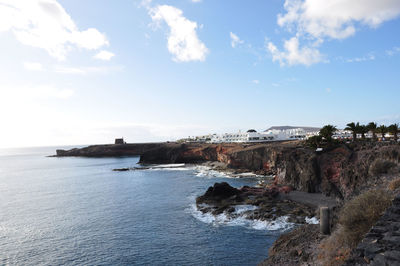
{"points": [[85, 72]]}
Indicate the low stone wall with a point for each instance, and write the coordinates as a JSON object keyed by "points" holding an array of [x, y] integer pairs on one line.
{"points": [[381, 246]]}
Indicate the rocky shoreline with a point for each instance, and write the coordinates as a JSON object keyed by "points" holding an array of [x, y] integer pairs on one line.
{"points": [[301, 180], [269, 204], [341, 171]]}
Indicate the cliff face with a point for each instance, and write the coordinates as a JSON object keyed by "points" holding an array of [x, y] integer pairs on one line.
{"points": [[339, 172], [189, 153]]}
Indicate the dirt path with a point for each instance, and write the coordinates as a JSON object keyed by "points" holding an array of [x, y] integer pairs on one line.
{"points": [[314, 200]]}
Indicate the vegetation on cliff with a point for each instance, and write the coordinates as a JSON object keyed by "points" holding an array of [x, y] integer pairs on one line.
{"points": [[356, 218]]}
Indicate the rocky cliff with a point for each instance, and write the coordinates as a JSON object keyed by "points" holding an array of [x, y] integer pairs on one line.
{"points": [[340, 171]]}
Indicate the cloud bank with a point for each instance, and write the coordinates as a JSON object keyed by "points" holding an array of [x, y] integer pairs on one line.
{"points": [[46, 24], [314, 21]]}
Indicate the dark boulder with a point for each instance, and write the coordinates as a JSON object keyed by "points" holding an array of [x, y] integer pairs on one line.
{"points": [[219, 192]]}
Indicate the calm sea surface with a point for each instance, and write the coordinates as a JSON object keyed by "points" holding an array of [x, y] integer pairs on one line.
{"points": [[77, 211]]}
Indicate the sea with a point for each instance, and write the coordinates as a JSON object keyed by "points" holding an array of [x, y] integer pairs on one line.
{"points": [[78, 211]]}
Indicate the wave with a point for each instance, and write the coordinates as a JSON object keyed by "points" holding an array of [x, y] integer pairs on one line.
{"points": [[174, 165], [238, 218], [168, 167], [206, 171], [312, 220], [250, 174], [199, 170]]}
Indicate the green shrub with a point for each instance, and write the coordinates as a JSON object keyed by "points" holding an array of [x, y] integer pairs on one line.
{"points": [[314, 141]]}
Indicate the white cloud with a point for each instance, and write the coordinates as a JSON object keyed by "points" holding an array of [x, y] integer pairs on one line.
{"points": [[46, 24], [294, 54], [183, 41], [393, 51], [314, 21], [104, 55], [196, 1], [235, 40], [368, 57], [336, 19], [33, 66], [256, 81], [328, 90], [145, 3], [85, 70]]}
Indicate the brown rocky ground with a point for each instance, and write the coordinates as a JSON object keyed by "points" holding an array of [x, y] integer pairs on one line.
{"points": [[296, 247]]}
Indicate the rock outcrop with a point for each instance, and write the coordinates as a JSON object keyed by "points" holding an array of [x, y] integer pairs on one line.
{"points": [[219, 192], [222, 198], [112, 150]]}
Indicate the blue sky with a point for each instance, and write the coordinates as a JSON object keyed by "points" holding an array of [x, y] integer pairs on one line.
{"points": [[82, 72]]}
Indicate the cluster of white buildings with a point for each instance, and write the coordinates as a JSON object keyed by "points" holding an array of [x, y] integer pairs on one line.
{"points": [[272, 134]]}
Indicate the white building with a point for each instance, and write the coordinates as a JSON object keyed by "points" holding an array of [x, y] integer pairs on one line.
{"points": [[272, 134], [240, 137], [342, 134]]}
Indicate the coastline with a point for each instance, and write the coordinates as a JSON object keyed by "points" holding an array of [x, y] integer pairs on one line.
{"points": [[299, 176]]}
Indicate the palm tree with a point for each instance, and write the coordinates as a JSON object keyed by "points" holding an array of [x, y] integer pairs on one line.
{"points": [[382, 129], [372, 126], [394, 129], [362, 129], [327, 132], [353, 128]]}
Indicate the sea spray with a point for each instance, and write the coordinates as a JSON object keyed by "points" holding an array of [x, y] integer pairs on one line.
{"points": [[239, 218]]}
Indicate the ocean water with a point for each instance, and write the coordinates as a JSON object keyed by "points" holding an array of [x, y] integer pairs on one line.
{"points": [[77, 211]]}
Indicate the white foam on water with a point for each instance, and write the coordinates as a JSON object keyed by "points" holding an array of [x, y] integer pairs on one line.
{"points": [[199, 170], [248, 175], [175, 165], [239, 219], [281, 223], [239, 209], [169, 167], [312, 220], [205, 171]]}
